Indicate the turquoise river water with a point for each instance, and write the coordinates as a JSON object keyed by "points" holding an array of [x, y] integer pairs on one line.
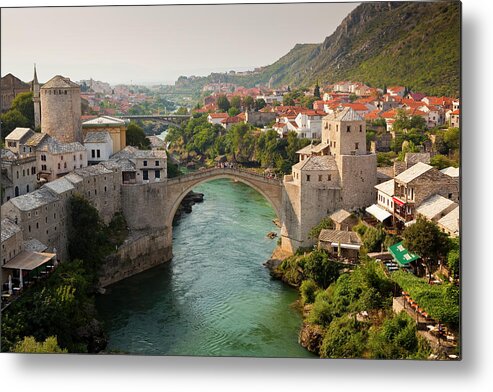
{"points": [[214, 298]]}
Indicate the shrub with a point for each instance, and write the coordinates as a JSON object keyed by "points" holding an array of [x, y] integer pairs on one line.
{"points": [[308, 291]]}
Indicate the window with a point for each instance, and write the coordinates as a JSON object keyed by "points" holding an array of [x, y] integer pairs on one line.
{"points": [[80, 157], [93, 153], [348, 128], [23, 172], [61, 157], [356, 146], [54, 215], [37, 225], [43, 157], [319, 177], [329, 177], [361, 128], [29, 227], [449, 195], [157, 163], [17, 174], [145, 163], [307, 177], [98, 153], [334, 144], [16, 192], [65, 165], [337, 128], [157, 173], [27, 188], [46, 219], [59, 166], [43, 167], [74, 157], [33, 170], [145, 174], [330, 127]]}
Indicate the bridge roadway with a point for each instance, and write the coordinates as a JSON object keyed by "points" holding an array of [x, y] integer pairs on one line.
{"points": [[178, 187]]}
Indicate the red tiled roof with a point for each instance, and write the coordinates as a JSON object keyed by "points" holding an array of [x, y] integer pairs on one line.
{"points": [[218, 115], [456, 112]]}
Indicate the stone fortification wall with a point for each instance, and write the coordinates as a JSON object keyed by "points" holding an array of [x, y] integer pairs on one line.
{"points": [[142, 250], [358, 180], [303, 208], [143, 205]]}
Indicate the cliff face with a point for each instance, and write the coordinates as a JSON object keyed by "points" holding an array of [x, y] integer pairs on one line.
{"points": [[414, 44]]}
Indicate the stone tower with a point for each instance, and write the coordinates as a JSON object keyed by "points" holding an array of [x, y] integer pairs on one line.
{"points": [[61, 109], [338, 173], [36, 100], [345, 133]]}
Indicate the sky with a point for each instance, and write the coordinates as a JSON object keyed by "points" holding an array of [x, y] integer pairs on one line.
{"points": [[156, 44]]}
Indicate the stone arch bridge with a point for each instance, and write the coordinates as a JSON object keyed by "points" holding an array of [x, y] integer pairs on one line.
{"points": [[178, 187]]}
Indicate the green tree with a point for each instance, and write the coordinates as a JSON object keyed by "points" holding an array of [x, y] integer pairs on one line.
{"points": [[308, 290], [248, 102], [233, 111], [325, 223], [259, 104], [11, 120], [136, 137], [241, 142], [353, 97], [397, 339], [30, 345], [23, 102], [426, 240], [87, 237], [182, 111], [320, 268], [316, 91], [441, 162], [236, 102], [223, 103]]}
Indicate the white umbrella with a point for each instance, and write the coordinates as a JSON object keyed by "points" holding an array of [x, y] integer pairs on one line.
{"points": [[10, 284], [21, 285]]}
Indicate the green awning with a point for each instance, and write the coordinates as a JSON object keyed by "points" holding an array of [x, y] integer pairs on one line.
{"points": [[401, 254]]}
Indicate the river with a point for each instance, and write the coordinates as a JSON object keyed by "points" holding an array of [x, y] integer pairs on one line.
{"points": [[214, 298]]}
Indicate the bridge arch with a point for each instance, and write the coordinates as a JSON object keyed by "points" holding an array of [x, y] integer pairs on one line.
{"points": [[179, 187]]}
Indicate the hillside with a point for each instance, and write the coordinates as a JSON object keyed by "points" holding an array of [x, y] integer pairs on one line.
{"points": [[413, 44]]}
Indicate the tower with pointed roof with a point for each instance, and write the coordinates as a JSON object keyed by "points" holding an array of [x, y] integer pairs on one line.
{"points": [[61, 109], [36, 100]]}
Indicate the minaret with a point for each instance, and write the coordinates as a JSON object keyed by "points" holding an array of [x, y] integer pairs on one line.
{"points": [[36, 100]]}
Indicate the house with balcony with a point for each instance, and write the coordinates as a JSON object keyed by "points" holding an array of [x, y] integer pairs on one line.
{"points": [[416, 184]]}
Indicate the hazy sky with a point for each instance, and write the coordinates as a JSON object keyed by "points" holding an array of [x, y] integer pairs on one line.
{"points": [[157, 43]]}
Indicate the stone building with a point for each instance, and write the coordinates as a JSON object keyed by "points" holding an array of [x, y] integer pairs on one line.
{"points": [[19, 175], [342, 243], [140, 166], [61, 109], [55, 159], [15, 139], [11, 240], [116, 128], [43, 215], [343, 220], [10, 87], [416, 184], [338, 173], [99, 147]]}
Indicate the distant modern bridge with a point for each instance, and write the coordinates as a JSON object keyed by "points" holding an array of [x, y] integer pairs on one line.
{"points": [[175, 119]]}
